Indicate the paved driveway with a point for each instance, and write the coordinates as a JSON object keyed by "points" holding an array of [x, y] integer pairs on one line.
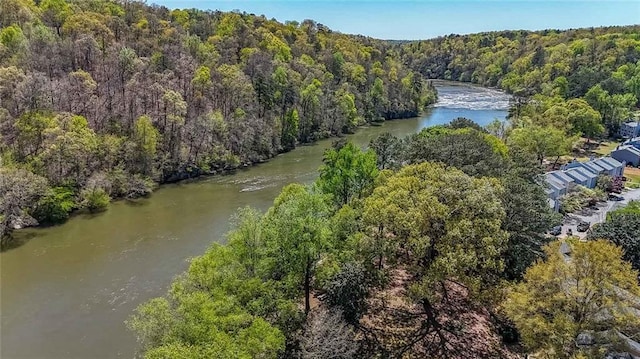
{"points": [[597, 215]]}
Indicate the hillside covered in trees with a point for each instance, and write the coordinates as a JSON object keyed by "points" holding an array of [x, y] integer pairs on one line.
{"points": [[583, 81], [103, 99]]}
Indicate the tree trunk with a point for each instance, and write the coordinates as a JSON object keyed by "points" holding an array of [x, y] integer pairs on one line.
{"points": [[307, 286]]}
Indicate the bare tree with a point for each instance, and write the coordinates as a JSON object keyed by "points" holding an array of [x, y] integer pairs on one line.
{"points": [[328, 336]]}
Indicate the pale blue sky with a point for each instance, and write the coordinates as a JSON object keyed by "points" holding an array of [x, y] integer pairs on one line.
{"points": [[427, 19]]}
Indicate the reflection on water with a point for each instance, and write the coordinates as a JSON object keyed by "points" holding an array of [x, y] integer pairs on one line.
{"points": [[67, 291]]}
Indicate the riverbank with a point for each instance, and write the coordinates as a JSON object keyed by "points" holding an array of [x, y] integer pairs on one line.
{"points": [[9, 241]]}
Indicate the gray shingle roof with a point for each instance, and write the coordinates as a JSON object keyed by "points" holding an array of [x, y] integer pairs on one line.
{"points": [[593, 167], [627, 148], [604, 164], [562, 176], [613, 162], [554, 182], [576, 175], [586, 172]]}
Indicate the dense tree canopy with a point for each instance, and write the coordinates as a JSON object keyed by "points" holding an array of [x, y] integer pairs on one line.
{"points": [[591, 293], [402, 250], [412, 266], [348, 173], [465, 145], [134, 93], [622, 228]]}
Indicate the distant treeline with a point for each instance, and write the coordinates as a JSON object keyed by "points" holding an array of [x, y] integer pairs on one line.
{"points": [[544, 69]]}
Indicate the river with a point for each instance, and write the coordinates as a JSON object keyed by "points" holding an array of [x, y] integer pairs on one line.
{"points": [[67, 291]]}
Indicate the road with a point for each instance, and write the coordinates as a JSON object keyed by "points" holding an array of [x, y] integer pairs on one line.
{"points": [[597, 216]]}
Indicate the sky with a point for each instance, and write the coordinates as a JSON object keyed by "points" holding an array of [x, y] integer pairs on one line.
{"points": [[411, 20]]}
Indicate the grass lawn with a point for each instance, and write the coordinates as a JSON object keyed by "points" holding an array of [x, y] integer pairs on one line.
{"points": [[583, 151], [606, 147], [633, 177]]}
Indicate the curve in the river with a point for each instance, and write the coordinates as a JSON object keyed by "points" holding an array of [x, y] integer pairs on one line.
{"points": [[66, 292]]}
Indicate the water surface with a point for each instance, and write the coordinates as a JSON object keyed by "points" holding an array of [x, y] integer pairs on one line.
{"points": [[67, 291]]}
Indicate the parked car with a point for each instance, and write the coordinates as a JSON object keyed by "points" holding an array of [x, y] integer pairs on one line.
{"points": [[583, 226], [556, 231], [613, 197]]}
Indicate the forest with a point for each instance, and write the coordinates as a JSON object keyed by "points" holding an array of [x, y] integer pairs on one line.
{"points": [[104, 99]]}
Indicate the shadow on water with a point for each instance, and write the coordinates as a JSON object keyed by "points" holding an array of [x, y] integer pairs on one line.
{"points": [[138, 202], [20, 237], [86, 215], [17, 239]]}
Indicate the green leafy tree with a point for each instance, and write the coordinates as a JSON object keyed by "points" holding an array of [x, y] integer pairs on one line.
{"points": [[472, 151], [388, 149], [462, 122], [199, 324], [310, 112], [443, 228], [146, 140], [347, 173], [218, 308], [348, 291], [95, 199], [297, 233], [527, 214], [68, 150], [55, 12], [528, 218], [13, 39], [542, 142], [55, 206], [347, 112], [31, 127], [560, 298], [585, 119], [622, 228], [290, 130], [422, 206]]}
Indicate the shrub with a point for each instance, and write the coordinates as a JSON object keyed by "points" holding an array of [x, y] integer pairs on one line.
{"points": [[140, 186], [95, 199], [348, 291], [124, 184], [580, 198], [55, 206]]}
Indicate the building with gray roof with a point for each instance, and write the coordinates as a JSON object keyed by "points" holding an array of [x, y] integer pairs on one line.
{"points": [[630, 129], [578, 177], [627, 154]]}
